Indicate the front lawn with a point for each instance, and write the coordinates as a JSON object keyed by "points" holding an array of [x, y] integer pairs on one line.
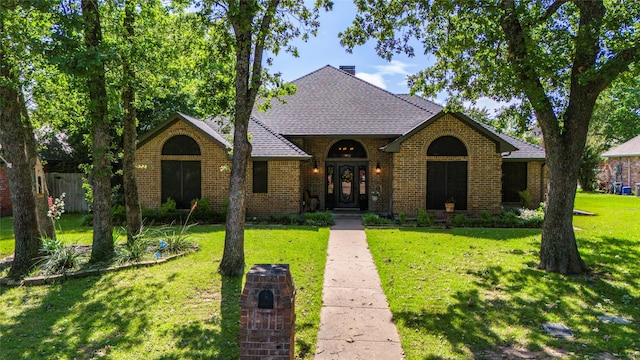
{"points": [[182, 309], [476, 293]]}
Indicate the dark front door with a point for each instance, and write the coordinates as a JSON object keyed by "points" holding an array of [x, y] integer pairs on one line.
{"points": [[181, 181], [445, 180], [347, 195]]}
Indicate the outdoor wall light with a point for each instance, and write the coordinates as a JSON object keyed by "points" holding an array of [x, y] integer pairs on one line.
{"points": [[315, 167], [378, 168]]}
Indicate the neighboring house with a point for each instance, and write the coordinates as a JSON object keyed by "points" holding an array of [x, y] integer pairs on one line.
{"points": [[342, 139], [621, 165]]}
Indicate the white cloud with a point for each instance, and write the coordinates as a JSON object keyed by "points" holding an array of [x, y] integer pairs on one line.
{"points": [[394, 67], [375, 79]]}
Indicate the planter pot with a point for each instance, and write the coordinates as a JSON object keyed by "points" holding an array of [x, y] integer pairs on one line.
{"points": [[448, 207]]}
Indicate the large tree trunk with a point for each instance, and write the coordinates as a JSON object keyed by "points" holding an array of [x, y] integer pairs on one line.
{"points": [[102, 248], [559, 250], [46, 227], [232, 263], [27, 240], [131, 200]]}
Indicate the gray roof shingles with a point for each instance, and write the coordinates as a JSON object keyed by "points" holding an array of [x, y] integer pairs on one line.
{"points": [[330, 102], [629, 148]]}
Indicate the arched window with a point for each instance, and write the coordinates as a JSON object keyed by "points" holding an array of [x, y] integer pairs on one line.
{"points": [[347, 149], [447, 146], [181, 178], [181, 145], [446, 178]]}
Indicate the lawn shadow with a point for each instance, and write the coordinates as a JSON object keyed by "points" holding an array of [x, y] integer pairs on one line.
{"points": [[530, 298], [202, 340], [497, 234], [76, 319]]}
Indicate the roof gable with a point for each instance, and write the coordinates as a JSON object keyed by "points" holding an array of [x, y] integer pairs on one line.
{"points": [[332, 102], [629, 148], [501, 144], [266, 144], [197, 124]]}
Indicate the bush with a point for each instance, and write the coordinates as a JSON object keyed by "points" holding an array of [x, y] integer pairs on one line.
{"points": [[134, 250], [56, 256], [402, 217], [321, 218], [525, 198], [424, 219], [374, 219]]}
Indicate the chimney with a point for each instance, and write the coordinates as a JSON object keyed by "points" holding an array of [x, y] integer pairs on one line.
{"points": [[351, 69]]}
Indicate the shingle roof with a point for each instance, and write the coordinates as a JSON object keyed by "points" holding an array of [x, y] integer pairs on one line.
{"points": [[265, 142], [268, 144], [629, 148], [524, 150], [196, 123], [330, 101]]}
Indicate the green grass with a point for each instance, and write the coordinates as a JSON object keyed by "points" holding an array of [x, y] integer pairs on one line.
{"points": [[471, 293], [182, 309]]}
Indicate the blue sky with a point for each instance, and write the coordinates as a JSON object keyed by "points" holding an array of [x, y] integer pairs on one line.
{"points": [[325, 49]]}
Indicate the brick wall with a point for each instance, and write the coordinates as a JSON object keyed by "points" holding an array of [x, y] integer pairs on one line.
{"points": [[536, 182], [283, 192], [629, 176], [283, 195], [319, 147], [484, 168]]}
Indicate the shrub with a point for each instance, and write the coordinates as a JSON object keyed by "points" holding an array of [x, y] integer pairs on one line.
{"points": [[525, 198], [171, 241], [424, 219], [168, 207], [402, 217], [135, 249], [374, 219], [56, 256], [460, 219], [321, 218]]}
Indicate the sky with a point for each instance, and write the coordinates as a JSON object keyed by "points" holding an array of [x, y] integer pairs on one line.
{"points": [[325, 50]]}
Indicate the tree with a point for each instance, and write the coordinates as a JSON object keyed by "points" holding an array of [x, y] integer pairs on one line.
{"points": [[557, 56], [254, 27], [20, 31], [102, 246], [129, 132], [616, 118]]}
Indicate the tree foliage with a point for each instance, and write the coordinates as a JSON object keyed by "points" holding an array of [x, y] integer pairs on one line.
{"points": [[556, 56], [250, 29]]}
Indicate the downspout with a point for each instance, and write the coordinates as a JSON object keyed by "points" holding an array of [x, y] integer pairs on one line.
{"points": [[543, 194], [390, 184]]}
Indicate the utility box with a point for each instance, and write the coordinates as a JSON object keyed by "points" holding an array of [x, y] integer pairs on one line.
{"points": [[637, 189], [267, 314]]}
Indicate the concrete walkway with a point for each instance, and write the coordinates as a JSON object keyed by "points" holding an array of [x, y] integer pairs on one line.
{"points": [[355, 320]]}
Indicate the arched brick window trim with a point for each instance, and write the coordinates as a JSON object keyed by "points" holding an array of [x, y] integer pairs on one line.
{"points": [[447, 146], [181, 145]]}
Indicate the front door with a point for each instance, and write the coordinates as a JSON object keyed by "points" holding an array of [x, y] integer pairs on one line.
{"points": [[347, 196], [346, 185]]}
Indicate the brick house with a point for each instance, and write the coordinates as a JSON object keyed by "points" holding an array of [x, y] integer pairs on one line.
{"points": [[350, 144], [621, 164]]}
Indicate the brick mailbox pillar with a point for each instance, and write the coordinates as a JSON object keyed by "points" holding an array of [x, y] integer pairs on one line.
{"points": [[267, 314]]}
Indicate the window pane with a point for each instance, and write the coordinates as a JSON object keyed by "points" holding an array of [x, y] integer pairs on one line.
{"points": [[260, 177], [181, 145]]}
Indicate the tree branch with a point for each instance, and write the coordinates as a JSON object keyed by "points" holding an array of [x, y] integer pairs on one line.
{"points": [[618, 64], [549, 13], [256, 73], [524, 70]]}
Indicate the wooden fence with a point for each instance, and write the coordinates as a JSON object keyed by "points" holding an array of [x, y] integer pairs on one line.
{"points": [[71, 185]]}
